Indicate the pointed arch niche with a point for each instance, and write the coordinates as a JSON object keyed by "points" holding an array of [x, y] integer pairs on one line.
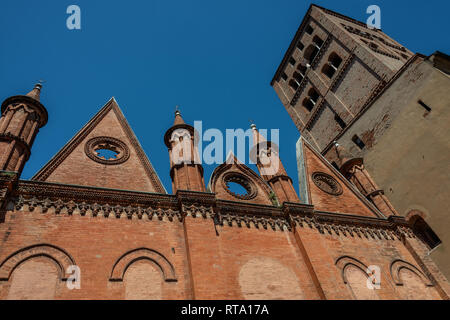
{"points": [[412, 284], [354, 275]]}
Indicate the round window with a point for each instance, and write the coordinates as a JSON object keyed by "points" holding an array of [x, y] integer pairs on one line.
{"points": [[327, 183], [239, 186], [107, 150]]}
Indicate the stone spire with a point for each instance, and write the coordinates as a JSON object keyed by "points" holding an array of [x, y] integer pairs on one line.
{"points": [[178, 118], [186, 171], [36, 92], [22, 116]]}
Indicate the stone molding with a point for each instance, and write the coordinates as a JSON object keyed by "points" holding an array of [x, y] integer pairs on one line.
{"points": [[68, 200]]}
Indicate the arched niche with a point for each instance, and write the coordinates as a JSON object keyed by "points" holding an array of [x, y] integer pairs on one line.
{"points": [[61, 258], [355, 276], [397, 266], [126, 260]]}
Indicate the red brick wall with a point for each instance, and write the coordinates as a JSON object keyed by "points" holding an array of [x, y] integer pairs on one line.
{"points": [[79, 169], [234, 263], [96, 244], [347, 202]]}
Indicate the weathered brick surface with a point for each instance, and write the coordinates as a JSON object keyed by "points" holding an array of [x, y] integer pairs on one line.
{"points": [[77, 168], [369, 57], [96, 244], [194, 244], [347, 202], [233, 250]]}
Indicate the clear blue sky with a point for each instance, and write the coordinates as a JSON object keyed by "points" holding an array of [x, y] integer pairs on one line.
{"points": [[213, 58]]}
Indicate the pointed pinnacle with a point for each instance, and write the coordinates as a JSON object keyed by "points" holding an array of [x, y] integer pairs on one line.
{"points": [[178, 118], [36, 92]]}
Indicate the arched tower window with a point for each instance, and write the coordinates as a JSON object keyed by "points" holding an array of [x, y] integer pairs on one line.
{"points": [[293, 84], [298, 77], [310, 53], [302, 69], [330, 68], [310, 101], [318, 42]]}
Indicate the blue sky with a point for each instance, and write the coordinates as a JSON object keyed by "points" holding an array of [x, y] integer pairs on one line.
{"points": [[213, 58]]}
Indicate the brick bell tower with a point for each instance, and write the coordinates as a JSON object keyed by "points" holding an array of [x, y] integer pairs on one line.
{"points": [[22, 117], [186, 171], [353, 169], [271, 169]]}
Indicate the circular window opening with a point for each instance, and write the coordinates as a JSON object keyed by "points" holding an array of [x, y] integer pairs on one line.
{"points": [[107, 153], [107, 150], [327, 183], [237, 189], [239, 186]]}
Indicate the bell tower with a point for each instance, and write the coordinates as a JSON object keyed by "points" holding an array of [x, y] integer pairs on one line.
{"points": [[22, 117], [186, 170]]}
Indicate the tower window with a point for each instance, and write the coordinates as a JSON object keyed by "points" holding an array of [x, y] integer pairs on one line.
{"points": [[311, 52], [309, 29], [310, 101], [335, 60], [292, 61], [339, 121], [297, 76], [302, 69], [425, 233], [318, 41], [284, 76], [330, 68], [358, 142], [300, 45], [293, 84]]}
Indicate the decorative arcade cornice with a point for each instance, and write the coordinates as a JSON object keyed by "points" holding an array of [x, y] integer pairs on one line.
{"points": [[70, 199]]}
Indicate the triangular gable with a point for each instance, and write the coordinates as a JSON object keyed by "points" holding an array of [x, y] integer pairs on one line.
{"points": [[78, 162], [318, 178]]}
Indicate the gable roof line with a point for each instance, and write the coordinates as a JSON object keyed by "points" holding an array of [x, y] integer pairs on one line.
{"points": [[349, 185], [65, 151]]}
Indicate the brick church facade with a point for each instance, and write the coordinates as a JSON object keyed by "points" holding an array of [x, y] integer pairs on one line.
{"points": [[112, 218]]}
